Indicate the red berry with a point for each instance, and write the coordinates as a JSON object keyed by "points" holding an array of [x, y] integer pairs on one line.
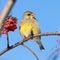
{"points": [[9, 25]]}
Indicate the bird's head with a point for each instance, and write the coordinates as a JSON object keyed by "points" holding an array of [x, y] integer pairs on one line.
{"points": [[28, 15]]}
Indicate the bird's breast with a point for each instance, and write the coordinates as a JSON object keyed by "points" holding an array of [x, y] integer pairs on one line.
{"points": [[25, 29]]}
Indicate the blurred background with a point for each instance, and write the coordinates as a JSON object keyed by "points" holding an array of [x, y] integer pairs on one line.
{"points": [[48, 15]]}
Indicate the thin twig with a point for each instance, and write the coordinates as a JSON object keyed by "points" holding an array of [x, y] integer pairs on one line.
{"points": [[31, 51], [26, 39], [7, 40]]}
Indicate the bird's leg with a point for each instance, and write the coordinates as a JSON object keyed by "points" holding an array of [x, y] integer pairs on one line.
{"points": [[31, 35], [24, 38], [7, 41]]}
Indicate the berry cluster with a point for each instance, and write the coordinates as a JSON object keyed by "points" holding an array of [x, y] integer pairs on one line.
{"points": [[9, 25]]}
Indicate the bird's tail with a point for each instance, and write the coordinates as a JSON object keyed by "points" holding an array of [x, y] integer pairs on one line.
{"points": [[37, 40]]}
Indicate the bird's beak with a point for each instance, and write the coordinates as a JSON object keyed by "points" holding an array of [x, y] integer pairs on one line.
{"points": [[33, 15]]}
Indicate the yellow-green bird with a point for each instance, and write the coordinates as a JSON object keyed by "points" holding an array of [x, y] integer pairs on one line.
{"points": [[30, 27]]}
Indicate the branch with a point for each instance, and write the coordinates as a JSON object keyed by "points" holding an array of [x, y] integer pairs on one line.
{"points": [[6, 11], [26, 39], [31, 51]]}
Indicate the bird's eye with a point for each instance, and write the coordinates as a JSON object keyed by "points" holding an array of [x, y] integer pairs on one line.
{"points": [[28, 14]]}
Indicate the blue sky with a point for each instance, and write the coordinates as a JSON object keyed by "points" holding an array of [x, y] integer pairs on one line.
{"points": [[48, 15]]}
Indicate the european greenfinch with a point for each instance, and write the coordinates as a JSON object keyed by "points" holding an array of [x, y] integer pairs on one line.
{"points": [[29, 27]]}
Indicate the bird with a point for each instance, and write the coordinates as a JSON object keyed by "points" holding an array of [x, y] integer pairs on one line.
{"points": [[29, 27]]}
